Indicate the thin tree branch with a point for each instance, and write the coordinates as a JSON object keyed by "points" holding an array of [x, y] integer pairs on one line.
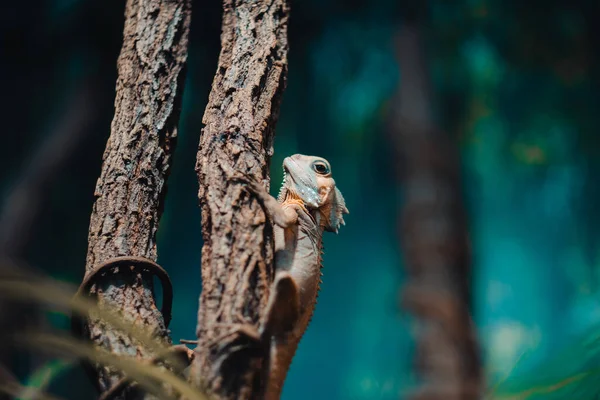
{"points": [[24, 202], [237, 256], [137, 159]]}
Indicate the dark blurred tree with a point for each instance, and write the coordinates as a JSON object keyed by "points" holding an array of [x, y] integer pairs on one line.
{"points": [[433, 230], [23, 206]]}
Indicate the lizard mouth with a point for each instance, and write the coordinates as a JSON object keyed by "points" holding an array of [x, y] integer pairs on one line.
{"points": [[288, 177], [289, 188]]}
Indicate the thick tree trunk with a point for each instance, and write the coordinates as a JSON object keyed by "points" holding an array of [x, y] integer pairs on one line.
{"points": [[137, 158], [237, 256], [434, 237]]}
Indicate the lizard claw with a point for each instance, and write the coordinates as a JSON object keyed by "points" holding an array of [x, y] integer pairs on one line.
{"points": [[271, 207], [253, 185], [239, 177]]}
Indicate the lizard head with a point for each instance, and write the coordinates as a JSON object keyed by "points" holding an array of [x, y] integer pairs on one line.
{"points": [[308, 179]]}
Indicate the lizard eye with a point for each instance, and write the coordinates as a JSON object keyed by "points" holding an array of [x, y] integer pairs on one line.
{"points": [[321, 168]]}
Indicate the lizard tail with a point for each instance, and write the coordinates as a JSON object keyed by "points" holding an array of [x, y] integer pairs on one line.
{"points": [[281, 355]]}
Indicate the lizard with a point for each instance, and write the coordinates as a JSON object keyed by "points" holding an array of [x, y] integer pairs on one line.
{"points": [[308, 204]]}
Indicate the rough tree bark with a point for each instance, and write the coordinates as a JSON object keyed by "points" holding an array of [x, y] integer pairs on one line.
{"points": [[434, 237], [237, 256], [137, 158]]}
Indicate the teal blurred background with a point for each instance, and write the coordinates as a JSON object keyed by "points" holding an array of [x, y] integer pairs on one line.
{"points": [[516, 85]]}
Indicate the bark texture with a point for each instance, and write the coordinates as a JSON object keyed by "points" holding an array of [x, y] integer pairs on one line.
{"points": [[237, 256], [435, 238], [137, 158]]}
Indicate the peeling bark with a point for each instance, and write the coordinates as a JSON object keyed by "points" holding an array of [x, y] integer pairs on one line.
{"points": [[137, 158], [237, 256], [434, 237]]}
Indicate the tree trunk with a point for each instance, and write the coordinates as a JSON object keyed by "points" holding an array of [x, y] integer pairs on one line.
{"points": [[434, 237], [237, 256], [137, 158]]}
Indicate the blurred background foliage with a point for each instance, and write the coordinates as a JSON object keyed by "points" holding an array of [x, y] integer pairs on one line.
{"points": [[516, 86]]}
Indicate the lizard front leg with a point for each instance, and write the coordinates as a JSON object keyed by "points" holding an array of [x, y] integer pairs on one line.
{"points": [[283, 307], [281, 216]]}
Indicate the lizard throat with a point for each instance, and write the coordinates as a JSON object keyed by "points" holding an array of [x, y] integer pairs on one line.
{"points": [[288, 196]]}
